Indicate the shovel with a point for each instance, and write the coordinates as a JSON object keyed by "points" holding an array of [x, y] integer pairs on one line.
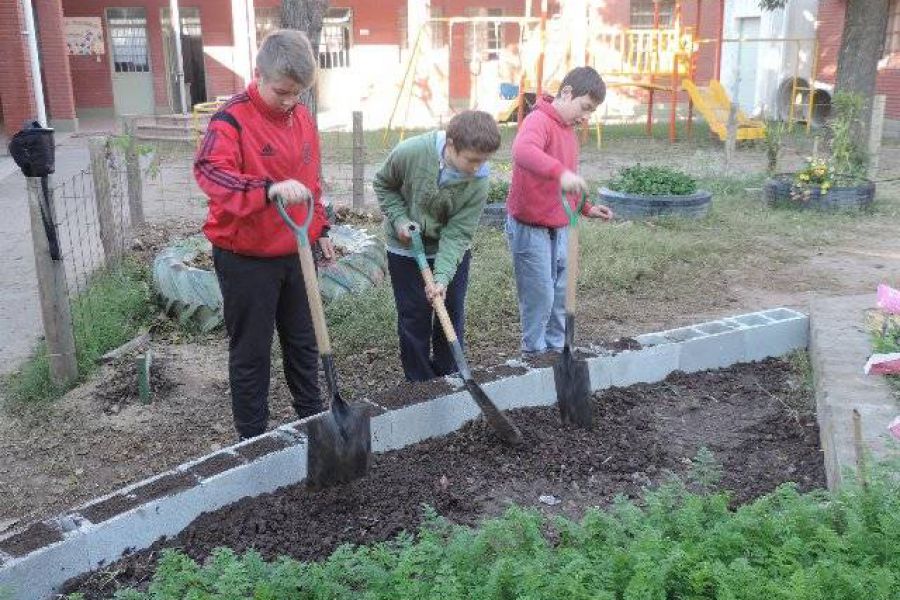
{"points": [[505, 428], [340, 442], [571, 375]]}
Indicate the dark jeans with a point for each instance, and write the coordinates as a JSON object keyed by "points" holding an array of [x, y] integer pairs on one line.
{"points": [[260, 295], [424, 351]]}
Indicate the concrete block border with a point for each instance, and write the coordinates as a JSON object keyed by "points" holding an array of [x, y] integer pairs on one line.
{"points": [[132, 518]]}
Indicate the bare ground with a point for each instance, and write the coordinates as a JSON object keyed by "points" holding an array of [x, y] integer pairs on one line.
{"points": [[57, 456]]}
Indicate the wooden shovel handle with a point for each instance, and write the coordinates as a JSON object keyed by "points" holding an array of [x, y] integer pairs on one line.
{"points": [[311, 281], [440, 309], [571, 268]]}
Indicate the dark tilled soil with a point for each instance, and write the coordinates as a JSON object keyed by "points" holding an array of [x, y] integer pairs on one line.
{"points": [[755, 418]]}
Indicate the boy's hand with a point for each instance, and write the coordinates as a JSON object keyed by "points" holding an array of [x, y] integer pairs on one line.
{"points": [[403, 229], [600, 211], [290, 191], [572, 182], [327, 247], [434, 291]]}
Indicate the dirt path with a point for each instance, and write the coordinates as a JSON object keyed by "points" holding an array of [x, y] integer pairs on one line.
{"points": [[755, 419]]}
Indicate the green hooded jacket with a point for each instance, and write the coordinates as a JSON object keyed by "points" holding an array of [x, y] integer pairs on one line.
{"points": [[407, 190]]}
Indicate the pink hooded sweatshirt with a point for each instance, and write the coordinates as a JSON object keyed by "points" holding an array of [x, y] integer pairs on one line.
{"points": [[544, 149]]}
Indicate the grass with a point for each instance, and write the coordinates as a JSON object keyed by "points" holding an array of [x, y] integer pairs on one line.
{"points": [[682, 541], [109, 312], [741, 232]]}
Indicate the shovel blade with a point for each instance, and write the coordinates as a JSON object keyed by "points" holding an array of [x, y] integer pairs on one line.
{"points": [[573, 390], [340, 446], [505, 428]]}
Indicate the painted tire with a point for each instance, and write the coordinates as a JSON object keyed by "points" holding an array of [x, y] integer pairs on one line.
{"points": [[636, 207], [778, 192], [192, 295]]}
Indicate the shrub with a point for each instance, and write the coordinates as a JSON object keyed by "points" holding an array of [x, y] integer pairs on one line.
{"points": [[653, 181], [498, 190]]}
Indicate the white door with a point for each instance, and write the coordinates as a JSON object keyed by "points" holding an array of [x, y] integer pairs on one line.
{"points": [[132, 80], [748, 53]]}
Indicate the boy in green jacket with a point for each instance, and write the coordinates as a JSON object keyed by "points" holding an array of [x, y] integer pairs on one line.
{"points": [[438, 182]]}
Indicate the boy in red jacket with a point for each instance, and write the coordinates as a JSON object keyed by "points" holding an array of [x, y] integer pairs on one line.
{"points": [[261, 145], [545, 163]]}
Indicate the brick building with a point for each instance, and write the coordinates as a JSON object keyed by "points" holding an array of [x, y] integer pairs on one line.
{"points": [[120, 55]]}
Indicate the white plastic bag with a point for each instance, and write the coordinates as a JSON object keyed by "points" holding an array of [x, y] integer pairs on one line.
{"points": [[894, 428], [888, 299]]}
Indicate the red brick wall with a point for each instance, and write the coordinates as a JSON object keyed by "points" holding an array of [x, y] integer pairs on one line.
{"points": [[54, 61], [831, 24], [15, 74], [91, 74]]}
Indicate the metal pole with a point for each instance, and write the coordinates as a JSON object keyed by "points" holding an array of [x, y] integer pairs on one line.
{"points": [[175, 17], [36, 82]]}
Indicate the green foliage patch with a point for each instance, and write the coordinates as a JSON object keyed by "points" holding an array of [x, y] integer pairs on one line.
{"points": [[653, 181]]}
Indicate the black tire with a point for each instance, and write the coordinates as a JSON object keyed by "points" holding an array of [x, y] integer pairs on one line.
{"points": [[778, 191], [635, 208], [192, 295]]}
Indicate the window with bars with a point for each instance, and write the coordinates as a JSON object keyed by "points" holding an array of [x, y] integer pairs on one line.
{"points": [[643, 13], [892, 37], [334, 44], [438, 28], [268, 19], [494, 35], [128, 39]]}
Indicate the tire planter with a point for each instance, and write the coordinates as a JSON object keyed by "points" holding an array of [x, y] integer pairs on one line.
{"points": [[777, 191], [494, 215], [192, 295], [637, 207]]}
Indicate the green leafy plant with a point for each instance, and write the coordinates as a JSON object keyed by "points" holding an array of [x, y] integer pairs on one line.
{"points": [[675, 544], [772, 141], [498, 190], [848, 158], [653, 181]]}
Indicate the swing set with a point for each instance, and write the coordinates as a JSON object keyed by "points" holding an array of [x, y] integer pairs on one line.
{"points": [[662, 59]]}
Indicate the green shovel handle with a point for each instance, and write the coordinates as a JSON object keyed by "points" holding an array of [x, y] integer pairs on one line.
{"points": [[572, 214], [301, 231], [418, 247]]}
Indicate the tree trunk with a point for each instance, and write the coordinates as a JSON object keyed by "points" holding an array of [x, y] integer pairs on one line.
{"points": [[862, 45], [306, 15]]}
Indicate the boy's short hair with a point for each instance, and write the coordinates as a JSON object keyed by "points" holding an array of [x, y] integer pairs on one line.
{"points": [[474, 130], [585, 81], [287, 53]]}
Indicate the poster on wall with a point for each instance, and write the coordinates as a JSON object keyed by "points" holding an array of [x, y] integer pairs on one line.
{"points": [[84, 36]]}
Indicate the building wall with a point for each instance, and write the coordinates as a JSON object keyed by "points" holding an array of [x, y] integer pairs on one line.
{"points": [[57, 79], [16, 93], [92, 75], [831, 25]]}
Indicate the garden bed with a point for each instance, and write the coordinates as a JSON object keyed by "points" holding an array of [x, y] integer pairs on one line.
{"points": [[755, 418]]}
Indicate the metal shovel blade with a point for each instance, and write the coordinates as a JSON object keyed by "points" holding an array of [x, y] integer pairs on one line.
{"points": [[340, 441], [573, 390], [505, 428]]}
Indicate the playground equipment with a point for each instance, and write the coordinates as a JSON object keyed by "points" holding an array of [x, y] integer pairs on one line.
{"points": [[714, 104], [660, 59]]}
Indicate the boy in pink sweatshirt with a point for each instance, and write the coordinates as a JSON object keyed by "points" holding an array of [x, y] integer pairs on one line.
{"points": [[545, 165]]}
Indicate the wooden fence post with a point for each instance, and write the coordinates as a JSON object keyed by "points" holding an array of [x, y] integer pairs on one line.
{"points": [[876, 130], [133, 171], [731, 137], [111, 234], [52, 291], [359, 161]]}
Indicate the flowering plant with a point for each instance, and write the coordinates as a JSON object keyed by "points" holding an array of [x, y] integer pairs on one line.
{"points": [[818, 173]]}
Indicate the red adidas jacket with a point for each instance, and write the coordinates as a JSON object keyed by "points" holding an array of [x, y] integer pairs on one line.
{"points": [[247, 147], [544, 148]]}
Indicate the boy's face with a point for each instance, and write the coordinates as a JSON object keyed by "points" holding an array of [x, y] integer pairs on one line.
{"points": [[574, 111], [279, 93], [466, 161]]}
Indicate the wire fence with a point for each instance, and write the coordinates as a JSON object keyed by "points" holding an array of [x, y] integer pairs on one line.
{"points": [[146, 179]]}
